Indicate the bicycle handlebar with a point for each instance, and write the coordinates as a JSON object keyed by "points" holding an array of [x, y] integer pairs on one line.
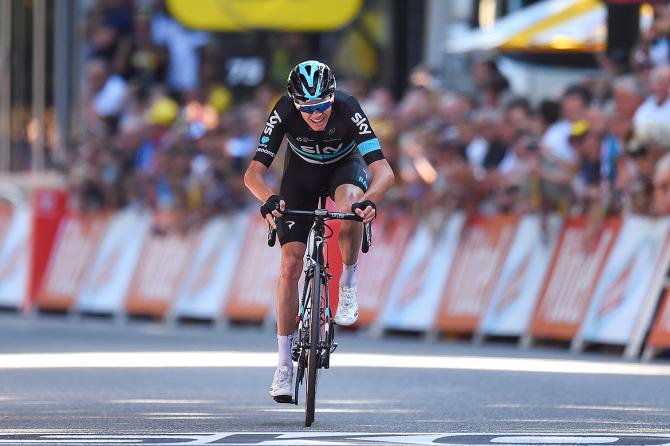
{"points": [[325, 215]]}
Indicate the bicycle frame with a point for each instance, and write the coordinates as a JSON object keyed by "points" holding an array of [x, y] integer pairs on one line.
{"points": [[315, 339]]}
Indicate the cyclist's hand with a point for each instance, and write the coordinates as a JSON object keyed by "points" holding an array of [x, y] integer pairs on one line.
{"points": [[273, 207], [365, 209]]}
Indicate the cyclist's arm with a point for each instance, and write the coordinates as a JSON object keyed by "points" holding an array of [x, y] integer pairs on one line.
{"points": [[273, 132], [268, 146], [371, 150], [382, 179], [254, 180]]}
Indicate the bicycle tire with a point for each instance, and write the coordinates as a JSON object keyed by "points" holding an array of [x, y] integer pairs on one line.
{"points": [[312, 356]]}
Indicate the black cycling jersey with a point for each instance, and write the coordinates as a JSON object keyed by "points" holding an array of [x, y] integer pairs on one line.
{"points": [[348, 129], [317, 162]]}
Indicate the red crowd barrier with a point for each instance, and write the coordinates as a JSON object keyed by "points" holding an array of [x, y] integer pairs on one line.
{"points": [[481, 275], [76, 243], [478, 262], [573, 275]]}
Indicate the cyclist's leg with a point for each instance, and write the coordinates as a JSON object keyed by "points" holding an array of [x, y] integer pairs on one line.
{"points": [[299, 193], [300, 189], [347, 186], [292, 254], [351, 232]]}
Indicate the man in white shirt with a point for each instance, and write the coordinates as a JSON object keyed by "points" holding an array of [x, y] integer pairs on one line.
{"points": [[657, 105]]}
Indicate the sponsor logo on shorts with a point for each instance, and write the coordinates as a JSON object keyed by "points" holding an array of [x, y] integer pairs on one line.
{"points": [[290, 224]]}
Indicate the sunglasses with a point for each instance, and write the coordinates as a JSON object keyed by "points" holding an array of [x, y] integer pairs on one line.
{"points": [[311, 108]]}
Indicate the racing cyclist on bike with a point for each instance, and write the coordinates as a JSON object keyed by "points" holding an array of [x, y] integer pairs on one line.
{"points": [[330, 142]]}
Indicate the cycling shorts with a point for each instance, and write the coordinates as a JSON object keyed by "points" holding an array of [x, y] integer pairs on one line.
{"points": [[303, 183]]}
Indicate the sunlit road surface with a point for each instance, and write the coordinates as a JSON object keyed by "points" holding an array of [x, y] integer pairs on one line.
{"points": [[95, 381]]}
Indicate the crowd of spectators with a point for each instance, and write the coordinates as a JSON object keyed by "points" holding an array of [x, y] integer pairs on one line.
{"points": [[161, 131]]}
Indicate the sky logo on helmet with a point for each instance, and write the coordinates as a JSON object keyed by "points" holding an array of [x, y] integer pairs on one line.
{"points": [[273, 120], [309, 77]]}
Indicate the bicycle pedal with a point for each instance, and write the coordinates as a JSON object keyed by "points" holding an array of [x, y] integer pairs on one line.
{"points": [[333, 347]]}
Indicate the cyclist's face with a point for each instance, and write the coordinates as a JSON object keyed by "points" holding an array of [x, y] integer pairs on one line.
{"points": [[316, 117]]}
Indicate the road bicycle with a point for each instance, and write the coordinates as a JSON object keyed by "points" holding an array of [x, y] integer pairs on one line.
{"points": [[315, 339]]}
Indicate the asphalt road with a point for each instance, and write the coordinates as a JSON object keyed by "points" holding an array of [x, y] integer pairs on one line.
{"points": [[97, 381]]}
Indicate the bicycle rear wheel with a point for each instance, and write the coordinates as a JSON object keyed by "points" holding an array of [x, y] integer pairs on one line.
{"points": [[312, 356]]}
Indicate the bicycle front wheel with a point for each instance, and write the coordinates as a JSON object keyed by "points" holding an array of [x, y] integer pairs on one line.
{"points": [[312, 356]]}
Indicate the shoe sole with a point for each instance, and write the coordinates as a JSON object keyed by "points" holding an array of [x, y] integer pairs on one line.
{"points": [[283, 398], [346, 324]]}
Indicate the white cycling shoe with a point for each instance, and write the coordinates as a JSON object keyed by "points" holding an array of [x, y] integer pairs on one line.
{"points": [[347, 308], [282, 385]]}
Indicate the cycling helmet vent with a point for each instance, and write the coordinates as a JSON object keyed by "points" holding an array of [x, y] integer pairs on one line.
{"points": [[310, 80]]}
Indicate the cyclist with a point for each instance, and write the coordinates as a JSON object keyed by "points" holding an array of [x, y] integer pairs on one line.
{"points": [[330, 141]]}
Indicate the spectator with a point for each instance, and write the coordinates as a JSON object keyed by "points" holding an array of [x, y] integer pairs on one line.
{"points": [[654, 113], [653, 48], [183, 46], [627, 95], [559, 161], [489, 82], [518, 189], [662, 186], [104, 96]]}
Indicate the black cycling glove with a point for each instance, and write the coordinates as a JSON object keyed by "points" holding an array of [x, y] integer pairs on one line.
{"points": [[271, 205], [362, 205]]}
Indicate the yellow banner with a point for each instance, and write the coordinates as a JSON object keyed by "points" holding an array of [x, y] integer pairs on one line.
{"points": [[284, 15]]}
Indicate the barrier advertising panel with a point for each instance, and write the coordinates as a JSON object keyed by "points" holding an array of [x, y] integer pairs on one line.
{"points": [[630, 285], [205, 285], [252, 292], [75, 247], [520, 281], [482, 249], [14, 255], [49, 208], [160, 269], [573, 274], [106, 282], [424, 266], [378, 267]]}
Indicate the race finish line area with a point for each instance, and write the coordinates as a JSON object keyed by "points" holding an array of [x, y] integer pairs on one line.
{"points": [[331, 438]]}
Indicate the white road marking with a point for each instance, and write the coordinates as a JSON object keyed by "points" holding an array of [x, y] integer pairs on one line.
{"points": [[259, 359], [537, 439]]}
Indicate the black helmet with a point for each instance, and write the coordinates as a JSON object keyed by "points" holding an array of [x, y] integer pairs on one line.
{"points": [[310, 80]]}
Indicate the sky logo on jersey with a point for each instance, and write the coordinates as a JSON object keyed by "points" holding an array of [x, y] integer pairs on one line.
{"points": [[265, 139], [359, 120], [317, 150], [273, 120], [319, 154]]}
